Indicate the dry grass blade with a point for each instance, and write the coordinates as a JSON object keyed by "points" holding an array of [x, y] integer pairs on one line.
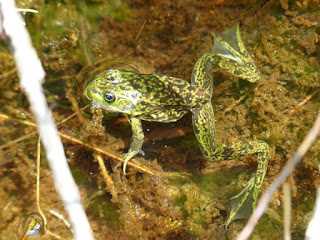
{"points": [[108, 180], [3, 116], [96, 149]]}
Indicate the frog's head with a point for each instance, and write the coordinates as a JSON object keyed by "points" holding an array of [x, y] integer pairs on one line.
{"points": [[232, 56], [112, 91]]}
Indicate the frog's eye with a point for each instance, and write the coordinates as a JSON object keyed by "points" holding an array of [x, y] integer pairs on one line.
{"points": [[109, 97]]}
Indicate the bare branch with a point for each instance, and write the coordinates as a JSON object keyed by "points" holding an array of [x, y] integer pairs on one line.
{"points": [[31, 76]]}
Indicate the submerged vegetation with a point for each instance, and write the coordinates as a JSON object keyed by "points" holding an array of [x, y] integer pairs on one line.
{"points": [[172, 192]]}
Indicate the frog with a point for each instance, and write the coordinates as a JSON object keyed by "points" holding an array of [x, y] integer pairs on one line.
{"points": [[162, 98]]}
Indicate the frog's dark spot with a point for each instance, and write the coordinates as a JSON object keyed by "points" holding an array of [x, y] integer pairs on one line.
{"points": [[205, 153], [136, 86]]}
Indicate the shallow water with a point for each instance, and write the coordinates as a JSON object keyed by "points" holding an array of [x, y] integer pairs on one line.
{"points": [[283, 40]]}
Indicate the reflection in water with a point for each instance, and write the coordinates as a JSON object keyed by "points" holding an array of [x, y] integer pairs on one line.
{"points": [[30, 226]]}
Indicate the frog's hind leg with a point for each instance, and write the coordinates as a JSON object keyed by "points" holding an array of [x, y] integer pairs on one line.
{"points": [[230, 55], [243, 203], [204, 128], [202, 75]]}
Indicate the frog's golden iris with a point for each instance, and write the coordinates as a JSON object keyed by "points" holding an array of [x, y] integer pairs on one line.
{"points": [[154, 97]]}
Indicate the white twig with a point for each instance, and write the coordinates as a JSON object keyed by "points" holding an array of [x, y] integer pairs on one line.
{"points": [[313, 231], [31, 75], [285, 172]]}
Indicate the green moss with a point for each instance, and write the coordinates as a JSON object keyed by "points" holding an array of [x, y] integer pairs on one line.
{"points": [[97, 202], [112, 9], [266, 227], [102, 207]]}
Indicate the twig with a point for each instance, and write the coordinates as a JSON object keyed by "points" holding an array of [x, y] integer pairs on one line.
{"points": [[285, 172], [307, 99], [97, 149], [107, 153], [61, 217], [18, 140], [31, 76], [234, 104], [108, 180]]}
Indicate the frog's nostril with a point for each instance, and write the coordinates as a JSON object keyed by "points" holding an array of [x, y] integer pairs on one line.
{"points": [[95, 90]]}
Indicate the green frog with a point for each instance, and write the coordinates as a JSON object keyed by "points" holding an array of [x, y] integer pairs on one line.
{"points": [[156, 97]]}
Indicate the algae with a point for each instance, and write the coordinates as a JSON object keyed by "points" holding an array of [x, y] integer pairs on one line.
{"points": [[282, 36]]}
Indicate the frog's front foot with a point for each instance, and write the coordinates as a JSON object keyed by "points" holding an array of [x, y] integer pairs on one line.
{"points": [[136, 141]]}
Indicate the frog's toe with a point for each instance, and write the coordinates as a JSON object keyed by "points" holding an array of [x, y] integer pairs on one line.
{"points": [[116, 166], [127, 158], [141, 152]]}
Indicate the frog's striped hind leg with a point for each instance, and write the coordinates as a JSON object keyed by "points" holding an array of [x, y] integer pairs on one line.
{"points": [[243, 203], [202, 75], [204, 128]]}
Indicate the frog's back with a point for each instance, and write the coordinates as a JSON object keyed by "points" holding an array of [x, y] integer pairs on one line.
{"points": [[161, 98]]}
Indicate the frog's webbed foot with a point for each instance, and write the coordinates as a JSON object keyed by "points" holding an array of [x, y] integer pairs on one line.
{"points": [[230, 54], [136, 140], [243, 203]]}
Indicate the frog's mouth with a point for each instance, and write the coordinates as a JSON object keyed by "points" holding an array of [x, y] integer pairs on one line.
{"points": [[100, 105], [125, 108], [123, 105]]}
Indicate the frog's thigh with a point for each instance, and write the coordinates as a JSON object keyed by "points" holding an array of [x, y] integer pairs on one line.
{"points": [[136, 140], [204, 128]]}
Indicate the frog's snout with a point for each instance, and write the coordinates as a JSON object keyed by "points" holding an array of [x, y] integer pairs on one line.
{"points": [[89, 92], [85, 93]]}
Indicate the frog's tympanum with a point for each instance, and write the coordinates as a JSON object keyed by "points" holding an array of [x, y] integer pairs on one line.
{"points": [[155, 97]]}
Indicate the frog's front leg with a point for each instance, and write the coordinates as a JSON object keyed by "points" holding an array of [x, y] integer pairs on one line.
{"points": [[243, 203], [136, 140]]}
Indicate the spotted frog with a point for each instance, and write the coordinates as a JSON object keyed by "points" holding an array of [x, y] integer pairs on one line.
{"points": [[156, 97]]}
